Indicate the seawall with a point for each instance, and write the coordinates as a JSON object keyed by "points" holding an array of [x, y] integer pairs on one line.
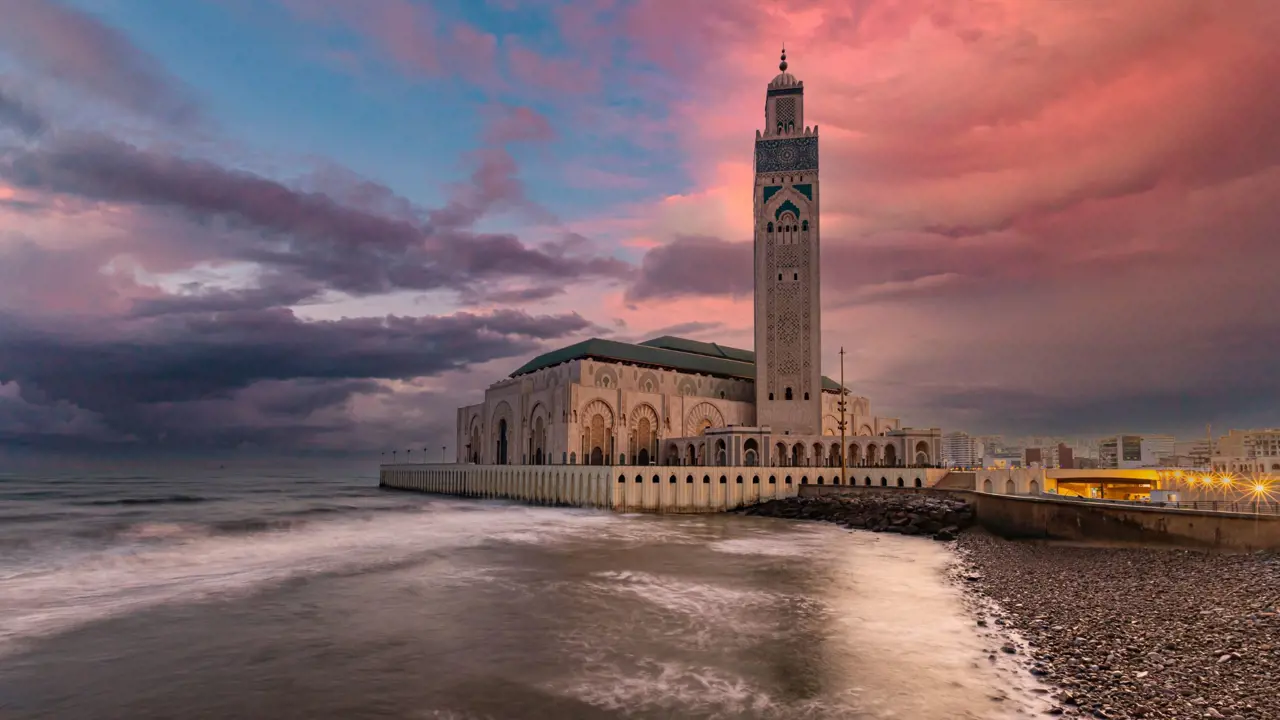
{"points": [[1050, 518], [660, 489], [1042, 517]]}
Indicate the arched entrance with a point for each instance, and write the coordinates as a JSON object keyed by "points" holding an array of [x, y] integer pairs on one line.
{"points": [[722, 454], [751, 453], [1010, 488], [986, 485], [597, 435], [502, 441], [539, 441], [643, 457], [779, 454], [797, 454], [922, 453], [891, 455]]}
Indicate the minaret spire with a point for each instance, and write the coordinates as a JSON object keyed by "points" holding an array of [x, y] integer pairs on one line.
{"points": [[783, 65]]}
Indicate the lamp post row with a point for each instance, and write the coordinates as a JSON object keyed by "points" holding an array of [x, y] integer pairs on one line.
{"points": [[409, 453]]}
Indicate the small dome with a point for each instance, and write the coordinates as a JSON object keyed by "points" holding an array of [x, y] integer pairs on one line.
{"points": [[783, 79]]}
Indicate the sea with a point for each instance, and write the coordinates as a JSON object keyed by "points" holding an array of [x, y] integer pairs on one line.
{"points": [[311, 593]]}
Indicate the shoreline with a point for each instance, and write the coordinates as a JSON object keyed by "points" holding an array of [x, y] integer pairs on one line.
{"points": [[1113, 632]]}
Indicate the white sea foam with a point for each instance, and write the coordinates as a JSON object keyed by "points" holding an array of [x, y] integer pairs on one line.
{"points": [[682, 688], [769, 546], [72, 591], [694, 599]]}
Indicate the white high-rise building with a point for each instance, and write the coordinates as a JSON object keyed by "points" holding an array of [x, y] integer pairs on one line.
{"points": [[960, 449]]}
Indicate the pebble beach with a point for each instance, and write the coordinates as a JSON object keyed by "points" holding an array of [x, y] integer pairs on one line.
{"points": [[1133, 632], [1109, 632]]}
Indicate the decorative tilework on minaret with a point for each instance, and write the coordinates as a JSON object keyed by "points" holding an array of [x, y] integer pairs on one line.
{"points": [[787, 290]]}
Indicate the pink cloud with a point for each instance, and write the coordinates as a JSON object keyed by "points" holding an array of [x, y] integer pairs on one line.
{"points": [[517, 124], [77, 48], [1004, 184]]}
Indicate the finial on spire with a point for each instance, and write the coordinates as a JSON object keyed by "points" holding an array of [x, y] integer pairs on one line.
{"points": [[783, 65]]}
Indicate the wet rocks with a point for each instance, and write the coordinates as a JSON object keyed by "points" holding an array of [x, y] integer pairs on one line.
{"points": [[897, 512], [1134, 633]]}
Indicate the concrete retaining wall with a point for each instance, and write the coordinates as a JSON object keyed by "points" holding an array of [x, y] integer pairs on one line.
{"points": [[1040, 517], [662, 489], [575, 485], [693, 489]]}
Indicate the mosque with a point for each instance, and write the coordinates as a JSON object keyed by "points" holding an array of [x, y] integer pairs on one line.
{"points": [[674, 401]]}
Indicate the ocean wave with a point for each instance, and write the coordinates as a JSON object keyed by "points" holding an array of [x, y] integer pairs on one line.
{"points": [[68, 591], [682, 689], [162, 500]]}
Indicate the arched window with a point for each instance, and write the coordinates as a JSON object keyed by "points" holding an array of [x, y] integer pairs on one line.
{"points": [[788, 394], [769, 227], [806, 396], [770, 396], [804, 225]]}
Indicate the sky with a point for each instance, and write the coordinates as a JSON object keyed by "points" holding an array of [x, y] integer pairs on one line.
{"points": [[291, 226]]}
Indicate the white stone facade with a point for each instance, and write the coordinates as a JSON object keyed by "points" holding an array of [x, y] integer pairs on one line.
{"points": [[685, 403]]}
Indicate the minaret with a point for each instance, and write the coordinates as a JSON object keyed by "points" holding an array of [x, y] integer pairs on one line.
{"points": [[788, 316]]}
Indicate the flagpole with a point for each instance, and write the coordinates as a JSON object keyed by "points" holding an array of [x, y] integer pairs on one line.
{"points": [[843, 469]]}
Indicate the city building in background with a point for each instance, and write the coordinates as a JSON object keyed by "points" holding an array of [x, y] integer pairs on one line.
{"points": [[1248, 452], [1066, 457], [960, 449], [1128, 452]]}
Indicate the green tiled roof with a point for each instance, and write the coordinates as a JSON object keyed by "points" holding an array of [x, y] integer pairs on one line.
{"points": [[667, 353]]}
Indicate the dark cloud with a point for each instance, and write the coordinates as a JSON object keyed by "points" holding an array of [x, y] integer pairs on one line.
{"points": [[272, 292], [694, 265], [310, 234], [18, 115], [147, 380]]}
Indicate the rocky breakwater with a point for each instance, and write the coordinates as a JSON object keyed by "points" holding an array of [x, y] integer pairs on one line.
{"points": [[1133, 633], [897, 512]]}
